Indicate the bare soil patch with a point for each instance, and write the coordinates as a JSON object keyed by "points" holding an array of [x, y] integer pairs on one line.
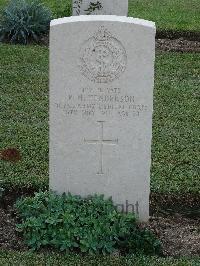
{"points": [[179, 236], [178, 45], [175, 34], [9, 238], [187, 205]]}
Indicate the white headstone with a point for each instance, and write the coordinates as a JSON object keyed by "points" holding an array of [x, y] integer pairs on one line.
{"points": [[101, 102], [100, 7]]}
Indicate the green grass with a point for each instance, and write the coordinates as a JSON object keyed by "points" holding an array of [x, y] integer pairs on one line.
{"points": [[3, 3], [176, 139], [177, 15], [24, 116], [28, 258], [24, 119]]}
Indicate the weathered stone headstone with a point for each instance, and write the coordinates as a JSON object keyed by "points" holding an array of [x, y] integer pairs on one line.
{"points": [[101, 101], [100, 7]]}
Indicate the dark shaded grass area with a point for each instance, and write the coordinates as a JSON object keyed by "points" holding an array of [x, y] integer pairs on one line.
{"points": [[28, 258]]}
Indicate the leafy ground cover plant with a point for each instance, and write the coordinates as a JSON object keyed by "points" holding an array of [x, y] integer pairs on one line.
{"points": [[89, 225], [24, 20]]}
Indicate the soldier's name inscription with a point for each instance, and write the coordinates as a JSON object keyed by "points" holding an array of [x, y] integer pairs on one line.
{"points": [[89, 102]]}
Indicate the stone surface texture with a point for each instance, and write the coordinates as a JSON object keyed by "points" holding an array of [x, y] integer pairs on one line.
{"points": [[101, 104], [100, 7]]}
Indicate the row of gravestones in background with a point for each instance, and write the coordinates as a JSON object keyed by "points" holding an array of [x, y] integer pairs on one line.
{"points": [[92, 7], [102, 7]]}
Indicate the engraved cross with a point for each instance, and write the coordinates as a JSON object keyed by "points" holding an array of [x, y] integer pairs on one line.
{"points": [[101, 142]]}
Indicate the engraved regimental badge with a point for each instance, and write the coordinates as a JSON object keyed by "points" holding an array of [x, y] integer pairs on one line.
{"points": [[102, 57]]}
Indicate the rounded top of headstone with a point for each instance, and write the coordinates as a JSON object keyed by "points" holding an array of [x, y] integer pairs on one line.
{"points": [[106, 18]]}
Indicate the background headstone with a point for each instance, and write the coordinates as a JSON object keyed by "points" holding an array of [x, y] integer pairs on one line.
{"points": [[101, 102], [100, 7]]}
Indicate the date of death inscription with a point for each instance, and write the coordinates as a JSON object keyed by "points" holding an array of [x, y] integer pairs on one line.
{"points": [[89, 102]]}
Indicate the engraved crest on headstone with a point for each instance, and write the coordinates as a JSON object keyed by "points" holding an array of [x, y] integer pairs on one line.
{"points": [[102, 57]]}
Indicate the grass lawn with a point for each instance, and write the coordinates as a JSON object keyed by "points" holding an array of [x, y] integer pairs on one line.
{"points": [[28, 258], [175, 15], [24, 119]]}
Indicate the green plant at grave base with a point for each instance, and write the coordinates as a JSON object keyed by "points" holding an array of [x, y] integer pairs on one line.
{"points": [[143, 242], [24, 20], [89, 225]]}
